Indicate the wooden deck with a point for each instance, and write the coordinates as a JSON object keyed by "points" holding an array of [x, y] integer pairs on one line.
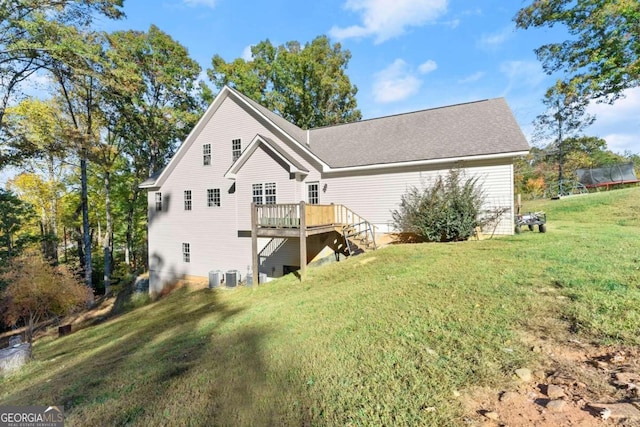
{"points": [[299, 220]]}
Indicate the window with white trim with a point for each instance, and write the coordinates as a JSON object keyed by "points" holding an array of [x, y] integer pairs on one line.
{"points": [[270, 193], [186, 252], [206, 154], [257, 194], [236, 149], [213, 197], [187, 200], [264, 194], [313, 194], [158, 202]]}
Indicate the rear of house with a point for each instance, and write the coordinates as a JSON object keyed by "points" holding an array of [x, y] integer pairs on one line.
{"points": [[239, 154]]}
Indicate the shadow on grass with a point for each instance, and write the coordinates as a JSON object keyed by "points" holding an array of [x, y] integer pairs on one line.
{"points": [[174, 362]]}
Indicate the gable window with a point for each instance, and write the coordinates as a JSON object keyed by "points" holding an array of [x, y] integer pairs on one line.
{"points": [[206, 154], [158, 202], [264, 194], [186, 252], [213, 197], [236, 149], [187, 200], [312, 193]]}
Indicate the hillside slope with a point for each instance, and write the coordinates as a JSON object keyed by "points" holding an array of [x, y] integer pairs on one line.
{"points": [[392, 337]]}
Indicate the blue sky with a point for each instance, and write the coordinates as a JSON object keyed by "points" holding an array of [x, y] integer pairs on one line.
{"points": [[406, 54]]}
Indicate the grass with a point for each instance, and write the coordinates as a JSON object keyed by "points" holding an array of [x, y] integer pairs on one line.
{"points": [[381, 339]]}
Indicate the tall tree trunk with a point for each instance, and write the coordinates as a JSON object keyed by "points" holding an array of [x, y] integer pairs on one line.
{"points": [[130, 225], [54, 209], [106, 243], [86, 232]]}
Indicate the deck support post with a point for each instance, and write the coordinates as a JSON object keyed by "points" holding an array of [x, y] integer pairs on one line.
{"points": [[303, 241], [254, 244]]}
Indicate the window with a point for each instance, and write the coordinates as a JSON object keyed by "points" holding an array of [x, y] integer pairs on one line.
{"points": [[186, 252], [266, 197], [257, 194], [270, 193], [158, 201], [312, 193], [187, 200], [236, 149], [213, 197], [206, 154]]}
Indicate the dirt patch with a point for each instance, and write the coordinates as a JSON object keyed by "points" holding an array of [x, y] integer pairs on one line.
{"points": [[574, 384]]}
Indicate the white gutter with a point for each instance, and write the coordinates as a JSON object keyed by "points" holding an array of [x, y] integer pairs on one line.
{"points": [[423, 162]]}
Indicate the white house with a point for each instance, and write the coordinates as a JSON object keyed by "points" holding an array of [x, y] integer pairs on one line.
{"points": [[350, 176]]}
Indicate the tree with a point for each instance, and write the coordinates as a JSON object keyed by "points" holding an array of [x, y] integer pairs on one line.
{"points": [[14, 213], [306, 85], [151, 102], [24, 31], [603, 58], [36, 291], [565, 116]]}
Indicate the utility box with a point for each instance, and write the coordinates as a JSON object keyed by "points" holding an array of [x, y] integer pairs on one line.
{"points": [[262, 277], [232, 278], [249, 279], [215, 277]]}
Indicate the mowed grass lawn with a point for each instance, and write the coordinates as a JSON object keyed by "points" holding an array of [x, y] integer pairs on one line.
{"points": [[386, 338]]}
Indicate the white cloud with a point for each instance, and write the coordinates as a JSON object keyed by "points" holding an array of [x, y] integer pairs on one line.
{"points": [[246, 53], [395, 83], [522, 74], [428, 67], [495, 40], [618, 123], [386, 19], [205, 3], [472, 78]]}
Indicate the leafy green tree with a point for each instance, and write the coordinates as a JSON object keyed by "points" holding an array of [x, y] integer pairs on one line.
{"points": [[603, 56], [151, 102], [306, 85], [14, 214], [25, 28], [565, 116]]}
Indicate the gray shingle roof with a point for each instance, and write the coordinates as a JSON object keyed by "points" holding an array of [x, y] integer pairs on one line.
{"points": [[294, 131], [472, 129]]}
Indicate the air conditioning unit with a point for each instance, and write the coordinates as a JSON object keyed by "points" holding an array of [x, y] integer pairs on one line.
{"points": [[215, 277], [232, 278]]}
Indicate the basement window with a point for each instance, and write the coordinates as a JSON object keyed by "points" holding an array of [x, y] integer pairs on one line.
{"points": [[186, 252]]}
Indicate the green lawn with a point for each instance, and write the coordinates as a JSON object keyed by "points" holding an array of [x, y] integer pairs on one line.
{"points": [[379, 339]]}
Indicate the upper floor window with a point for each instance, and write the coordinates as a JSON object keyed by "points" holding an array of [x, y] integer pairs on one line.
{"points": [[206, 154], [270, 193], [187, 200], [312, 193], [186, 252], [213, 197], [264, 193], [236, 149], [158, 201]]}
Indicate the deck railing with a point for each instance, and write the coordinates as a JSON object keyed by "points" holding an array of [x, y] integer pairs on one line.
{"points": [[287, 215]]}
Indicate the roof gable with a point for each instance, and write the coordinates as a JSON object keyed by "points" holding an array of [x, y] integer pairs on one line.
{"points": [[285, 158]]}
